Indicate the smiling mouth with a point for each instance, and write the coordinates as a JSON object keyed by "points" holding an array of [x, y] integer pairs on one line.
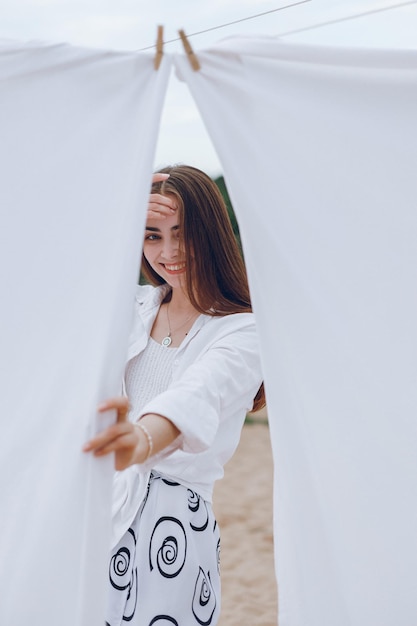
{"points": [[177, 267]]}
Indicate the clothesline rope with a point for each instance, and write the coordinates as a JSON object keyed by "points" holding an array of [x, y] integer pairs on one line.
{"points": [[346, 18], [295, 31], [243, 19]]}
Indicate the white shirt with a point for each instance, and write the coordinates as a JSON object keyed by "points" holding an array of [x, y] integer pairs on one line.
{"points": [[216, 375]]}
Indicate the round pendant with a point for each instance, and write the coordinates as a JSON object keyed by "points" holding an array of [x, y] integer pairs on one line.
{"points": [[166, 341]]}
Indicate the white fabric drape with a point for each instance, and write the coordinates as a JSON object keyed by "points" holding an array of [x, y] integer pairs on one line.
{"points": [[78, 129], [319, 150]]}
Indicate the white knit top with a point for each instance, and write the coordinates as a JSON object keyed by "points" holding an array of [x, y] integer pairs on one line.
{"points": [[147, 375]]}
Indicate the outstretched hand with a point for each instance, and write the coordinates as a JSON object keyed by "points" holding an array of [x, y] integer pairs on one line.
{"points": [[123, 438]]}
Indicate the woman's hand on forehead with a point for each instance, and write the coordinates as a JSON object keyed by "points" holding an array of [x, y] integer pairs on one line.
{"points": [[160, 207]]}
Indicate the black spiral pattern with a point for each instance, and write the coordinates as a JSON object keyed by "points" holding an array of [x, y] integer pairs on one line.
{"points": [[204, 599], [198, 507], [120, 563], [176, 533], [168, 547]]}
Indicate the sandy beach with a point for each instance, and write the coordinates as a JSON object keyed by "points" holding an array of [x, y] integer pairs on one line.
{"points": [[243, 506]]}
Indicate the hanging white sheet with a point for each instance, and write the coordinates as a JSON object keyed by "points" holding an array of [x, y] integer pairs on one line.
{"points": [[78, 130], [319, 151]]}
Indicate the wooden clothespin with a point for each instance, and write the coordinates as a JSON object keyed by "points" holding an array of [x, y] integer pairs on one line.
{"points": [[190, 52], [159, 48]]}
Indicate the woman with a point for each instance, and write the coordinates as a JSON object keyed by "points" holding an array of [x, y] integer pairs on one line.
{"points": [[193, 372]]}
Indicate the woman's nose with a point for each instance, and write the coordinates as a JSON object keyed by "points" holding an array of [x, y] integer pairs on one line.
{"points": [[170, 249]]}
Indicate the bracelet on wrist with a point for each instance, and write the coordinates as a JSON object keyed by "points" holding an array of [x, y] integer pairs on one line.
{"points": [[149, 439]]}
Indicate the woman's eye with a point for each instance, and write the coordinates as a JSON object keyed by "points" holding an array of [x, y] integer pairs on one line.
{"points": [[152, 237]]}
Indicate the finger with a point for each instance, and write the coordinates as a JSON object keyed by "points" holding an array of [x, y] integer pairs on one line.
{"points": [[158, 198], [159, 210], [108, 435], [124, 442], [159, 177], [163, 204], [155, 215], [119, 403]]}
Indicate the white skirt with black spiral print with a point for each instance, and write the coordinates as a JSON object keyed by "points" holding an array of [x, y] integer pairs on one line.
{"points": [[165, 569]]}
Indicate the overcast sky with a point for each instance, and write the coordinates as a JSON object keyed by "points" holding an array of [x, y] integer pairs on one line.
{"points": [[132, 24]]}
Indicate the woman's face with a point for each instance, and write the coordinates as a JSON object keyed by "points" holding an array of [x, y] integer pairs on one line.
{"points": [[162, 250]]}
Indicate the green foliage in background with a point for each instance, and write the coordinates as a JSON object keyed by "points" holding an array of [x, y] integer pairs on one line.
{"points": [[223, 190]]}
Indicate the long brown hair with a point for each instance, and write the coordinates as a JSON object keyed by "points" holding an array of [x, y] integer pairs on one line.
{"points": [[217, 283]]}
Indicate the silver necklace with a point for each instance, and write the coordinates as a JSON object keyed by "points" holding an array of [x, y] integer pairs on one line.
{"points": [[167, 340]]}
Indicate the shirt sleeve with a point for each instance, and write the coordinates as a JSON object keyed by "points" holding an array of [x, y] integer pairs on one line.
{"points": [[223, 380]]}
